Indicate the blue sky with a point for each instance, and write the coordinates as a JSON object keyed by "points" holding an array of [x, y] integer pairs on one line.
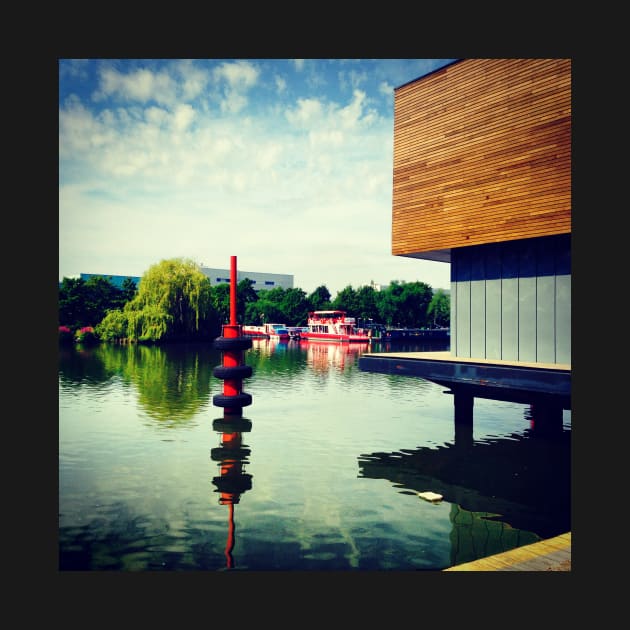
{"points": [[284, 163]]}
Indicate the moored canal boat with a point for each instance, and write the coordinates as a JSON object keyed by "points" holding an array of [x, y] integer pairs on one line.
{"points": [[333, 325], [267, 331], [258, 332]]}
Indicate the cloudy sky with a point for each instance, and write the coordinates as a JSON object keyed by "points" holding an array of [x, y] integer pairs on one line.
{"points": [[284, 163]]}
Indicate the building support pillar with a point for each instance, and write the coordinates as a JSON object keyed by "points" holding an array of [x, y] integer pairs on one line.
{"points": [[463, 403]]}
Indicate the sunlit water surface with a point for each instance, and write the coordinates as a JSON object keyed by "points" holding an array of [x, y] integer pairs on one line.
{"points": [[322, 473]]}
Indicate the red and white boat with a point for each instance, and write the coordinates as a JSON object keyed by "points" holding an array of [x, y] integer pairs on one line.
{"points": [[257, 332], [333, 325], [266, 331]]}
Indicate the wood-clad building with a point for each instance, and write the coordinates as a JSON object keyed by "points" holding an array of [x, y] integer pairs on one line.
{"points": [[482, 180]]}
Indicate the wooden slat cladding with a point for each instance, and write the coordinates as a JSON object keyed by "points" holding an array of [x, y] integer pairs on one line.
{"points": [[482, 154]]}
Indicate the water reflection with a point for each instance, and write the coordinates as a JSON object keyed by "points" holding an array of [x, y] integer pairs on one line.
{"points": [[173, 382], [78, 365], [232, 481], [135, 497], [322, 356], [501, 490], [271, 358]]}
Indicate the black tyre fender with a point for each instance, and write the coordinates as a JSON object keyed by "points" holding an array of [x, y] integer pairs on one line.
{"points": [[233, 343], [239, 400], [236, 371]]}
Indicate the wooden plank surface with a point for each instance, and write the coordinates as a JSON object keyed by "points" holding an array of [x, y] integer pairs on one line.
{"points": [[482, 154], [553, 554], [445, 355]]}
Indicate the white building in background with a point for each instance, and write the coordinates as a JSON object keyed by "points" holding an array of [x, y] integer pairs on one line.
{"points": [[261, 281], [117, 281]]}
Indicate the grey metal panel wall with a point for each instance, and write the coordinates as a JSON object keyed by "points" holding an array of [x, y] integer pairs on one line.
{"points": [[563, 302], [454, 303], [477, 307], [512, 300], [526, 303], [545, 303], [509, 304], [462, 288], [493, 300]]}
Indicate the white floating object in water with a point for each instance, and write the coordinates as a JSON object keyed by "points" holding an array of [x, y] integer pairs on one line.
{"points": [[430, 496]]}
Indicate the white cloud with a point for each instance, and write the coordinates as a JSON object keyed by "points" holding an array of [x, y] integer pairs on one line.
{"points": [[141, 85], [182, 117], [235, 79], [307, 112], [166, 166], [352, 115], [281, 84], [238, 74], [77, 68], [352, 78], [193, 80], [386, 89]]}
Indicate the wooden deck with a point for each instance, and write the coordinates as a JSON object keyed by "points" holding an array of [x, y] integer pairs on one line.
{"points": [[553, 554], [445, 355]]}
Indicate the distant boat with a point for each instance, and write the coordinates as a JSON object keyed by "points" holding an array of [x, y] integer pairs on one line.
{"points": [[296, 332], [333, 325], [267, 331], [259, 332]]}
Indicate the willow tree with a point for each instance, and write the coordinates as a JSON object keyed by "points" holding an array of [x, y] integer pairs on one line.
{"points": [[173, 303]]}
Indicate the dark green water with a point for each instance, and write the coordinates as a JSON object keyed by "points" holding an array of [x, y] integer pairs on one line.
{"points": [[321, 474]]}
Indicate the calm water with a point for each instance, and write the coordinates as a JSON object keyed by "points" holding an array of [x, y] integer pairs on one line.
{"points": [[322, 473]]}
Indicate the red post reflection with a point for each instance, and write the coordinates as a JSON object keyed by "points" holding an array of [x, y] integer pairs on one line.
{"points": [[232, 481], [230, 540]]}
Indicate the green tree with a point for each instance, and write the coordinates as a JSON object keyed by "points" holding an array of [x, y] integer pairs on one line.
{"points": [[320, 299], [414, 303], [279, 305], [114, 326], [295, 307], [246, 300], [100, 295], [271, 306], [128, 290], [220, 299], [347, 300], [366, 302], [173, 303], [386, 304], [245, 295], [71, 303], [439, 311], [254, 313], [86, 302], [405, 304]]}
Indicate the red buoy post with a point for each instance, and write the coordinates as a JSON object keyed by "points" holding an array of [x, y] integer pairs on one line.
{"points": [[233, 370], [232, 454]]}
